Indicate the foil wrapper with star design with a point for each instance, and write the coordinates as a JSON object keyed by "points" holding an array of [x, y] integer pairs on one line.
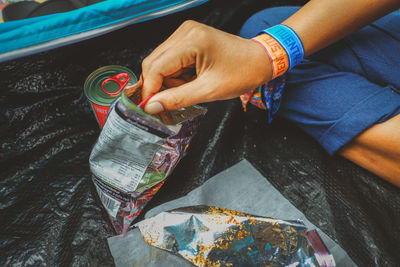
{"points": [[214, 236]]}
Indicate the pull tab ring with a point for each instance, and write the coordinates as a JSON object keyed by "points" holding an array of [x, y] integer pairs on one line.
{"points": [[144, 101], [121, 79]]}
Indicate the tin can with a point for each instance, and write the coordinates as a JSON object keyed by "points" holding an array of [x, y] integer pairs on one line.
{"points": [[103, 86]]}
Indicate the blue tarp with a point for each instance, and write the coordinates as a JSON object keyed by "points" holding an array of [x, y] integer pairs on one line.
{"points": [[25, 33]]}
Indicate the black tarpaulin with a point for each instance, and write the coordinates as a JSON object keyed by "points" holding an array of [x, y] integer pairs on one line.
{"points": [[50, 213]]}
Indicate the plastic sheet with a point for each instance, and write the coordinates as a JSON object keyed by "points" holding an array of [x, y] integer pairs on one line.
{"points": [[50, 214], [240, 183]]}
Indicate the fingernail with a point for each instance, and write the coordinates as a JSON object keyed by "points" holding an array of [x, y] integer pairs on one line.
{"points": [[154, 108]]}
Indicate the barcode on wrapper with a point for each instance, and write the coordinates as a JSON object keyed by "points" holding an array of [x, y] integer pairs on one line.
{"points": [[109, 203]]}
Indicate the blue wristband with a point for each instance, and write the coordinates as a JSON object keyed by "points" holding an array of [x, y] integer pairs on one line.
{"points": [[290, 41]]}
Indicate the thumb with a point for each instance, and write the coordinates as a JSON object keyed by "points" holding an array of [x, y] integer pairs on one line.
{"points": [[188, 94]]}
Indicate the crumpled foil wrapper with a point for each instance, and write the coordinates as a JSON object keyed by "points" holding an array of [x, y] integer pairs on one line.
{"points": [[134, 155], [213, 236]]}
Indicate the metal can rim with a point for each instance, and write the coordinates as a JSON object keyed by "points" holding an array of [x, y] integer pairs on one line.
{"points": [[87, 85]]}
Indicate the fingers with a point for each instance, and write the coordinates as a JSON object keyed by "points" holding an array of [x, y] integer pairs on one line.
{"points": [[155, 70], [201, 64], [173, 82], [175, 98], [175, 38], [177, 79], [130, 90], [177, 52]]}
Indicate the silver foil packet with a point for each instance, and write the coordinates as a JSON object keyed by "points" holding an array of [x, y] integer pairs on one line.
{"points": [[135, 153], [213, 236]]}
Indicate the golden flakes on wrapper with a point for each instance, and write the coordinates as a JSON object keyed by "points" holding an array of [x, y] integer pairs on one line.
{"points": [[213, 236]]}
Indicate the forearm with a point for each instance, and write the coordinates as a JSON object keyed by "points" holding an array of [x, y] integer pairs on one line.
{"points": [[322, 22], [224, 71]]}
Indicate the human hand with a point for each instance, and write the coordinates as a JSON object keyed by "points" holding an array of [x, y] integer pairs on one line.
{"points": [[198, 64]]}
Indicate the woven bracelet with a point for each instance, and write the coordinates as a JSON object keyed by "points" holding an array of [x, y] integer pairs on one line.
{"points": [[283, 47]]}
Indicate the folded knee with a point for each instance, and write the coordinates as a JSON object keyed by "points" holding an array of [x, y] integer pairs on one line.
{"points": [[378, 150]]}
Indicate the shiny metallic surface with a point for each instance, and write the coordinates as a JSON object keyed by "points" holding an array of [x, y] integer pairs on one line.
{"points": [[213, 236], [94, 83]]}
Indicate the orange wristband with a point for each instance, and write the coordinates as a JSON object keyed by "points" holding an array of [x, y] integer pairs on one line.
{"points": [[276, 53]]}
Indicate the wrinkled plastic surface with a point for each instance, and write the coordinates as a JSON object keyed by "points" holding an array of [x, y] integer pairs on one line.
{"points": [[131, 250], [50, 214]]}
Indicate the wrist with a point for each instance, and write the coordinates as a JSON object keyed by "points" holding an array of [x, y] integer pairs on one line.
{"points": [[290, 41], [283, 47], [277, 55], [261, 63]]}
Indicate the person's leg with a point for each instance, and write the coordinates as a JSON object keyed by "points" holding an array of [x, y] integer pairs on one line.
{"points": [[337, 94], [339, 108], [377, 149]]}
